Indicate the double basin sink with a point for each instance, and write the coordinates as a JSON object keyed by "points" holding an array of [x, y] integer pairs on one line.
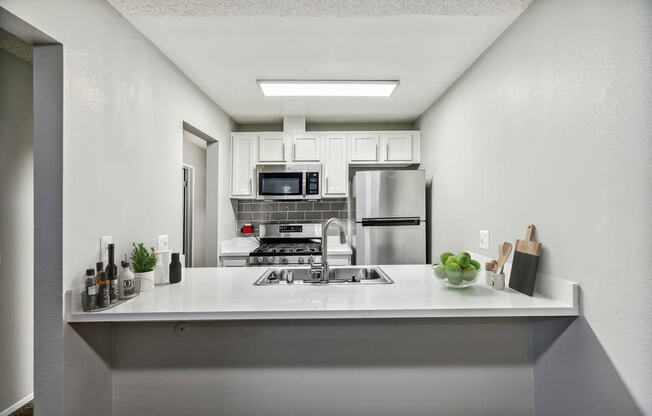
{"points": [[349, 275]]}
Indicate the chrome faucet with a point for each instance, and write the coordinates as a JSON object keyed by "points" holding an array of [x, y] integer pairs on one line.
{"points": [[322, 268]]}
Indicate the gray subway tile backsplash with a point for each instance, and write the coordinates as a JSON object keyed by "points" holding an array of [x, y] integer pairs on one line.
{"points": [[266, 212]]}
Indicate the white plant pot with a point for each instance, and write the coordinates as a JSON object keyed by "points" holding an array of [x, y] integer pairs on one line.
{"points": [[146, 280]]}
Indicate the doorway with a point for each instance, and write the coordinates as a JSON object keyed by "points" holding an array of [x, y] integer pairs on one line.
{"points": [[188, 209], [200, 188]]}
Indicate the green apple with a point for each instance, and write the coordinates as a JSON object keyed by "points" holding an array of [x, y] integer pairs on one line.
{"points": [[444, 257], [453, 270], [455, 280], [463, 259], [469, 273], [451, 260], [475, 264], [440, 271]]}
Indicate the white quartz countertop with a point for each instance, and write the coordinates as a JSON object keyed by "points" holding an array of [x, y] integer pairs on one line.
{"points": [[242, 246], [239, 246], [229, 294]]}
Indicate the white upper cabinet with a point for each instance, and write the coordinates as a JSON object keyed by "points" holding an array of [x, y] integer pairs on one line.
{"points": [[336, 169], [271, 147], [397, 146], [306, 147], [364, 147], [243, 165]]}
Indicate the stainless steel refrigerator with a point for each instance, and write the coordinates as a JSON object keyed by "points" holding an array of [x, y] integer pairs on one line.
{"points": [[390, 217]]}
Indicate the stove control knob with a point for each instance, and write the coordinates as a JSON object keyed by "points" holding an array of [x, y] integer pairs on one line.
{"points": [[259, 260], [285, 260], [270, 259], [300, 260]]}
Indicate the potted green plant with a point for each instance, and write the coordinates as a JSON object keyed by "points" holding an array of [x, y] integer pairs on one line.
{"points": [[143, 262]]}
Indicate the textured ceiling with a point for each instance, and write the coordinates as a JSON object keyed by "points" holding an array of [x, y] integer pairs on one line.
{"points": [[316, 8], [224, 46]]}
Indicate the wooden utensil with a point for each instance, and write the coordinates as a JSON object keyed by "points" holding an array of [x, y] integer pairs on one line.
{"points": [[503, 254], [526, 261]]}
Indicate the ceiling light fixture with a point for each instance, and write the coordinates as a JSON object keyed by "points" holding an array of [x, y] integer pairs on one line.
{"points": [[324, 88]]}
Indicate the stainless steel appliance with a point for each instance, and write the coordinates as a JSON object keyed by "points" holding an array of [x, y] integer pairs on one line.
{"points": [[291, 181], [287, 244], [390, 217]]}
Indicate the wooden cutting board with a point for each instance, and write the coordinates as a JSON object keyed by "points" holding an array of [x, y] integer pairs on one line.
{"points": [[526, 260]]}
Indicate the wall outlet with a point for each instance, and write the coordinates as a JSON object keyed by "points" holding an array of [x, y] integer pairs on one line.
{"points": [[484, 239], [162, 242], [104, 247]]}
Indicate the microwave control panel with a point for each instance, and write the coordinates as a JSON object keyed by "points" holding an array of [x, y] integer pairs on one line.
{"points": [[312, 183]]}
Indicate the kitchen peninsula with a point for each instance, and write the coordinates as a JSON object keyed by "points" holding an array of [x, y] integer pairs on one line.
{"points": [[229, 294]]}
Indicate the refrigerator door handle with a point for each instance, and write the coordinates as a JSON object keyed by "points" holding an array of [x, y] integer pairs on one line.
{"points": [[388, 222]]}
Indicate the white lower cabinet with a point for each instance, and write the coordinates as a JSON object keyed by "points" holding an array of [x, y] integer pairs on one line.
{"points": [[335, 166], [243, 165]]}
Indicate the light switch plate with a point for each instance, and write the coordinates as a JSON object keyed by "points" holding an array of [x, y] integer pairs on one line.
{"points": [[162, 242], [104, 247], [484, 239]]}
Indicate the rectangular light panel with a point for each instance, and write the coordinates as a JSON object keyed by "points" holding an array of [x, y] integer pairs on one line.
{"points": [[296, 88]]}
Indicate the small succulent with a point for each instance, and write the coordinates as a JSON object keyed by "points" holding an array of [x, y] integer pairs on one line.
{"points": [[143, 261]]}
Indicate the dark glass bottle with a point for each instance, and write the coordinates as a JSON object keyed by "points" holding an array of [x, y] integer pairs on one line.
{"points": [[91, 289], [175, 269], [103, 297], [112, 275]]}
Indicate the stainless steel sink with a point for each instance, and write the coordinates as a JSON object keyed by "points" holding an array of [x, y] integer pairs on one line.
{"points": [[349, 275]]}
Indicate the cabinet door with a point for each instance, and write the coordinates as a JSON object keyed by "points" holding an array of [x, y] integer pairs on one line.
{"points": [[398, 147], [336, 168], [271, 147], [364, 147], [243, 165], [306, 147]]}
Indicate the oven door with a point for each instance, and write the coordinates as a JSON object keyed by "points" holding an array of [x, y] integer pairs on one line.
{"points": [[281, 185]]}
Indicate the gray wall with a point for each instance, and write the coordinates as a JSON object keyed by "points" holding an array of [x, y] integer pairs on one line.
{"points": [[195, 156], [16, 229], [125, 104], [452, 367], [551, 126]]}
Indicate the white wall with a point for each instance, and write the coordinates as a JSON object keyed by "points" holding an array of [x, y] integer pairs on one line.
{"points": [[194, 155], [124, 107], [551, 126], [16, 230]]}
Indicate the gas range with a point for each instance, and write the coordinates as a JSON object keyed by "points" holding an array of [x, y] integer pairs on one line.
{"points": [[287, 244]]}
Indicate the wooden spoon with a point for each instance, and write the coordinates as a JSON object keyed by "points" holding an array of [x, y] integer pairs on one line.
{"points": [[503, 253]]}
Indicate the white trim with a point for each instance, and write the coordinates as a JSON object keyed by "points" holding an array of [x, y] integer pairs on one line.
{"points": [[191, 168], [20, 403]]}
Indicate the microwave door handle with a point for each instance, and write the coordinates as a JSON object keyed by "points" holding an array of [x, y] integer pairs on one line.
{"points": [[303, 175]]}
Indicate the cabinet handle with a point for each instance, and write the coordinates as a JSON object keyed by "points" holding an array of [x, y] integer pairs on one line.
{"points": [[327, 184], [294, 149], [283, 158], [387, 151], [377, 152], [251, 185]]}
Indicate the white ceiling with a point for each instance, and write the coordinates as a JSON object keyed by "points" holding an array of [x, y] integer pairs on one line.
{"points": [[224, 46]]}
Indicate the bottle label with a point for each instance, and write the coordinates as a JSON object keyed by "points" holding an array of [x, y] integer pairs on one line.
{"points": [[92, 290], [128, 287], [105, 300], [113, 285]]}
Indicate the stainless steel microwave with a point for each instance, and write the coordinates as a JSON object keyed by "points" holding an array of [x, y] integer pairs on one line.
{"points": [[292, 181]]}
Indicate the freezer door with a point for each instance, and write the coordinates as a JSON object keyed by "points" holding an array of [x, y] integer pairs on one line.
{"points": [[383, 243], [391, 193]]}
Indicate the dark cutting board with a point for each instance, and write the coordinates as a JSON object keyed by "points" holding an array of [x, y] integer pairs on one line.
{"points": [[526, 260]]}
